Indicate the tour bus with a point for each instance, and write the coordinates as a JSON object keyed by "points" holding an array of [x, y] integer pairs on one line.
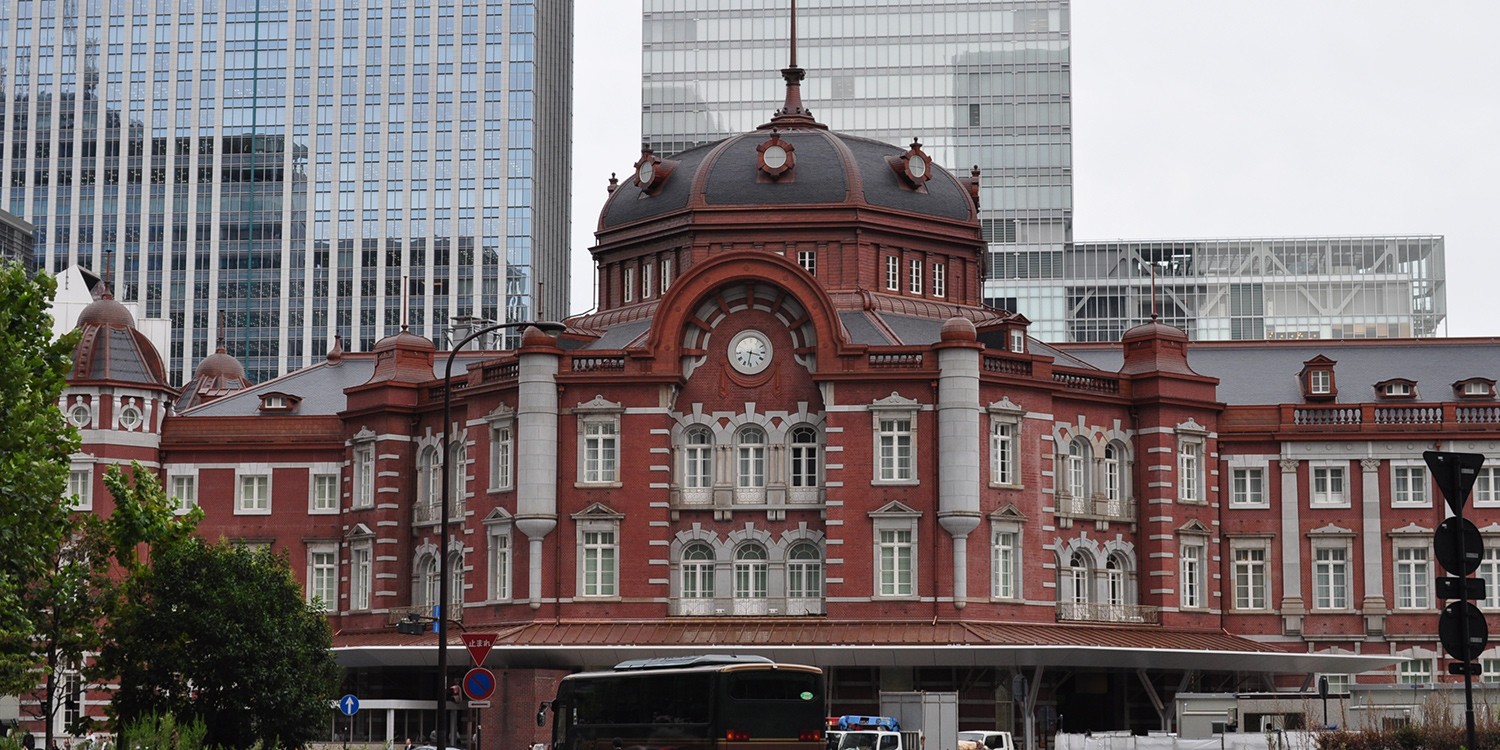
{"points": [[709, 702]]}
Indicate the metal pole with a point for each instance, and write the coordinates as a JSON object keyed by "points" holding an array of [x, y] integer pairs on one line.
{"points": [[448, 468], [1455, 469]]}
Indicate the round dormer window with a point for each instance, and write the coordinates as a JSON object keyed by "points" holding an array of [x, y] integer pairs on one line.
{"points": [[131, 418], [80, 415]]}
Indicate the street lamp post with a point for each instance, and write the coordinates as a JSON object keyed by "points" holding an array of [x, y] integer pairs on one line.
{"points": [[441, 738]]}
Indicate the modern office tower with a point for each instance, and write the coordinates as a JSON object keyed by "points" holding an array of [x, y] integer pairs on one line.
{"points": [[283, 166], [1231, 289], [981, 84], [15, 239]]}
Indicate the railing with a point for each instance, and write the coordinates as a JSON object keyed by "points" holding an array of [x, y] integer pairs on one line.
{"points": [[1327, 416], [1409, 415], [430, 513], [500, 372], [1096, 507], [901, 361], [1079, 381], [1007, 365], [1477, 414], [730, 607], [1136, 614], [1385, 416], [597, 364]]}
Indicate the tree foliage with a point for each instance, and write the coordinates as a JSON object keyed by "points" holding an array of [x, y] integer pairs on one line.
{"points": [[35, 446], [221, 633]]}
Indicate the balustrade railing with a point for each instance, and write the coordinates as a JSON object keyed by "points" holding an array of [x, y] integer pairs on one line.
{"points": [[1136, 614]]}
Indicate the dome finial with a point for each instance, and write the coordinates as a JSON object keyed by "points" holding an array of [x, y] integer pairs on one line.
{"points": [[792, 110]]}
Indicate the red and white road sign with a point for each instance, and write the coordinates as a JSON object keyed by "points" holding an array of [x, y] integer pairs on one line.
{"points": [[479, 645]]}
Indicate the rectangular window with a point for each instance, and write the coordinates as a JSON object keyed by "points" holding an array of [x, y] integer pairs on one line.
{"points": [[323, 576], [1250, 578], [1486, 493], [364, 476], [1489, 570], [895, 446], [80, 488], [359, 577], [185, 491], [325, 494], [500, 565], [1330, 578], [808, 260], [646, 275], [895, 555], [600, 451], [1328, 486], [1003, 453], [1192, 576], [1189, 468], [1417, 671], [666, 274], [599, 563], [1018, 342], [1412, 578], [915, 286], [502, 462], [629, 284], [1248, 487], [1320, 382], [1003, 565], [255, 494], [892, 273], [939, 280], [1409, 485]]}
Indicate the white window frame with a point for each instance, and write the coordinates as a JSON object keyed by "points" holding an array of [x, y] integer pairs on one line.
{"points": [[1322, 478], [1331, 575], [81, 487], [895, 448], [1486, 492], [1411, 574], [323, 490], [1409, 485], [1018, 342], [184, 490], [1489, 667], [1193, 569], [1248, 487], [752, 575], [804, 575], [914, 269], [1005, 451], [598, 559], [646, 274], [1397, 389], [323, 574], [1113, 464], [892, 273], [361, 575], [750, 452], [430, 475], [1489, 570], [697, 458], [1415, 671], [364, 475], [1250, 581], [805, 467], [808, 259], [501, 561], [1190, 464], [503, 456], [939, 279], [1476, 388], [599, 449], [1319, 382], [895, 555], [1079, 462], [629, 285], [666, 274], [1005, 565], [1078, 579], [695, 573], [252, 495]]}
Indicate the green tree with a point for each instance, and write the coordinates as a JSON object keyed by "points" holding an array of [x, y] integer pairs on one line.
{"points": [[35, 445], [221, 633]]}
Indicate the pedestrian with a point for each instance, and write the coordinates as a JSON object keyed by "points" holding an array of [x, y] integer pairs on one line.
{"points": [[28, 741], [409, 745]]}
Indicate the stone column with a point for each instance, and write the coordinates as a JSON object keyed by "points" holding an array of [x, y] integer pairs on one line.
{"points": [[1292, 606]]}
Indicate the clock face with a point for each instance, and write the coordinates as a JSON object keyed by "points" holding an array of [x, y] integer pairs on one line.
{"points": [[749, 352], [775, 157], [646, 172], [917, 165]]}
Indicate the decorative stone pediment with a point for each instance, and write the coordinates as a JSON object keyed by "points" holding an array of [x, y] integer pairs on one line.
{"points": [[359, 531], [1194, 526], [1192, 426], [895, 402], [895, 509], [1008, 513], [498, 516], [502, 413], [599, 404], [598, 512], [1330, 530], [1410, 529], [1006, 406]]}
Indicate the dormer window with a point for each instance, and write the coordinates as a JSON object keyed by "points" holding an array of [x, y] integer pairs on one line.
{"points": [[914, 167], [1317, 378], [652, 172], [1398, 388], [1475, 388], [278, 402], [1018, 342], [774, 156]]}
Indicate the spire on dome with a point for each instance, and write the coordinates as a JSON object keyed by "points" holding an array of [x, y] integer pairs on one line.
{"points": [[792, 112]]}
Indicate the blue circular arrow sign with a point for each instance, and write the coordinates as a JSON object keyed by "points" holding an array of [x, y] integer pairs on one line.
{"points": [[349, 705], [479, 684]]}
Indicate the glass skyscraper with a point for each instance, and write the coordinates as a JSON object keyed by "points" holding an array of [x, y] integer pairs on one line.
{"points": [[987, 84], [292, 170], [979, 84]]}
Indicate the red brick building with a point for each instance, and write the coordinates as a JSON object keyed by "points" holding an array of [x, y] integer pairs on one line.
{"points": [[792, 429]]}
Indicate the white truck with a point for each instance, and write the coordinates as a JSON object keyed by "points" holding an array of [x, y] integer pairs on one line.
{"points": [[907, 721], [985, 739], [860, 732]]}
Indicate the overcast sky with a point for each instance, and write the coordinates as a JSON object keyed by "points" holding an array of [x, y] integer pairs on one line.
{"points": [[1194, 119]]}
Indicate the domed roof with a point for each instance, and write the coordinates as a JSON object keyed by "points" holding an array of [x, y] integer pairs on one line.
{"points": [[812, 166], [106, 311], [219, 366]]}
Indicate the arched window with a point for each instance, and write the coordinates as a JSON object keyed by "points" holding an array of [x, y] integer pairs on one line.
{"points": [[698, 571], [428, 582], [806, 465], [1076, 587], [1079, 458], [429, 477], [751, 580], [1114, 476], [698, 459], [460, 453], [804, 571], [751, 449], [1114, 580]]}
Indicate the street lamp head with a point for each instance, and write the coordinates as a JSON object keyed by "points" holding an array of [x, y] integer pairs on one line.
{"points": [[549, 326]]}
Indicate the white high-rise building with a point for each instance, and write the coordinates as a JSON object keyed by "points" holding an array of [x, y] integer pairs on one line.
{"points": [[280, 167]]}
